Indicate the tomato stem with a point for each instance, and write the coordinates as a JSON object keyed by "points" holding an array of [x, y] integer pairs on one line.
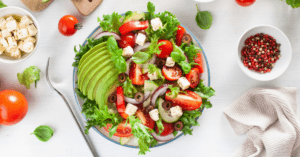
{"points": [[78, 26]]}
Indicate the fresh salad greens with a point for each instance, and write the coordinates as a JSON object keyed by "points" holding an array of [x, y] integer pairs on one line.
{"points": [[203, 18], [141, 79], [43, 133], [29, 76], [2, 5], [293, 3]]}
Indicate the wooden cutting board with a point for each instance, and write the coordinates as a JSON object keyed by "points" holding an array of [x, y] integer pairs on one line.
{"points": [[85, 7], [36, 5]]}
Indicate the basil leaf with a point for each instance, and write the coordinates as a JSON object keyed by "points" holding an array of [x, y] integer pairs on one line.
{"points": [[112, 44], [43, 133], [29, 76], [203, 19], [140, 57], [176, 56], [2, 5], [293, 3], [120, 64], [186, 67]]}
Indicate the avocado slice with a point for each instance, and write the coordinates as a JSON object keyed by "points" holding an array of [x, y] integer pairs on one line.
{"points": [[105, 86], [134, 16], [91, 51], [102, 70], [97, 70], [89, 57], [91, 64]]}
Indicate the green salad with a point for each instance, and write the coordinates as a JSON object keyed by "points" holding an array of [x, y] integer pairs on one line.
{"points": [[141, 78]]}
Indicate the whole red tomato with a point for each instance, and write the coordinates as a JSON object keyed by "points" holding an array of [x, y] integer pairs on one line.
{"points": [[13, 107], [68, 25], [245, 3]]}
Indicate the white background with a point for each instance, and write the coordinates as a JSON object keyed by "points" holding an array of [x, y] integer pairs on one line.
{"points": [[214, 138]]}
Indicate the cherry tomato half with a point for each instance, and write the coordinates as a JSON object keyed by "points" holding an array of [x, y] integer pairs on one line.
{"points": [[168, 129], [13, 107], [136, 75], [166, 48], [193, 77], [179, 35], [172, 73], [189, 101], [122, 130], [145, 119], [245, 3], [127, 40], [199, 61]]}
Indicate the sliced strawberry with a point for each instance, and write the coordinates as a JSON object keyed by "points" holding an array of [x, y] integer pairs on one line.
{"points": [[136, 75], [120, 104]]}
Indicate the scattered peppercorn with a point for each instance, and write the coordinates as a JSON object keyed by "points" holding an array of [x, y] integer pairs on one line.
{"points": [[260, 53]]}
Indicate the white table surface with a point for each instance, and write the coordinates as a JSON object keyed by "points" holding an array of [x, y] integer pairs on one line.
{"points": [[214, 138]]}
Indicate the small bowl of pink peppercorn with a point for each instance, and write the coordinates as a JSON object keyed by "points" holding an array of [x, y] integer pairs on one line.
{"points": [[264, 52]]}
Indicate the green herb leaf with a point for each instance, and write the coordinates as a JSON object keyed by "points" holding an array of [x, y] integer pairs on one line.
{"points": [[174, 91], [29, 76], [185, 66], [116, 54], [189, 119], [43, 133], [152, 69], [2, 5], [129, 88], [206, 103], [151, 9], [160, 126], [140, 57], [293, 3], [111, 22], [153, 143], [142, 133], [128, 13], [177, 57], [203, 19], [204, 91]]}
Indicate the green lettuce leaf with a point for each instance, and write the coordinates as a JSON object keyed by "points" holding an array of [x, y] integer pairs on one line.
{"points": [[129, 88], [111, 22], [29, 76], [2, 5], [152, 69]]}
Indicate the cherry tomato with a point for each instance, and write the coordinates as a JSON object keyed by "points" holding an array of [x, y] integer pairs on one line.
{"points": [[200, 62], [172, 73], [120, 104], [193, 77], [189, 101], [168, 129], [127, 40], [122, 130], [68, 25], [13, 107], [132, 26], [245, 3], [136, 75], [166, 48], [179, 35], [145, 119]]}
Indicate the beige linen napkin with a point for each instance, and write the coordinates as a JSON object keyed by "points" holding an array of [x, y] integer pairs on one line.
{"points": [[270, 119]]}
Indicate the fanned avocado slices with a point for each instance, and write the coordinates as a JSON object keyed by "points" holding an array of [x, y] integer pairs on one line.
{"points": [[97, 47]]}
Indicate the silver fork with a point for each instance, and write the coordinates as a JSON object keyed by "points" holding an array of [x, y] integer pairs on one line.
{"points": [[93, 150]]}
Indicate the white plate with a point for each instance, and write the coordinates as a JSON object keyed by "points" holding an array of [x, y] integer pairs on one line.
{"points": [[286, 52], [133, 143]]}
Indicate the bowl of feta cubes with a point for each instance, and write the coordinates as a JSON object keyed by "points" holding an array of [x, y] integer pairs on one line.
{"points": [[19, 34]]}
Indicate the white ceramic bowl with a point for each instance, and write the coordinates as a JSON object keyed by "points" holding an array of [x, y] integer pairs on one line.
{"points": [[19, 11], [285, 51]]}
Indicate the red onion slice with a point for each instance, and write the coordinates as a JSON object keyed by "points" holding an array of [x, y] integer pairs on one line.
{"points": [[161, 90], [162, 138], [106, 33], [139, 47], [134, 102], [128, 66]]}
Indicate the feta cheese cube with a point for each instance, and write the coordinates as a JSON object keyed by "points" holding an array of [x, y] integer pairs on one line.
{"points": [[2, 49], [32, 30], [10, 19], [170, 62], [183, 83], [140, 39], [22, 33], [5, 33], [11, 25], [12, 42], [130, 109], [154, 114], [4, 42], [16, 53], [28, 47], [176, 111], [127, 51], [156, 24], [152, 76], [25, 21], [20, 45], [2, 23], [30, 39]]}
